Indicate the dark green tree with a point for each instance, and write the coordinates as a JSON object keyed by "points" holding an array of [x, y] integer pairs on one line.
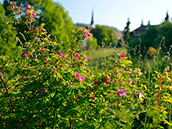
{"points": [[126, 31], [167, 17], [56, 19], [7, 36], [105, 36]]}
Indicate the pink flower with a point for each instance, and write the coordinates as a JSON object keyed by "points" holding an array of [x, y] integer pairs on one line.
{"points": [[32, 15], [45, 58], [79, 96], [130, 80], [77, 55], [85, 58], [95, 82], [87, 35], [27, 7], [107, 79], [25, 78], [122, 55], [121, 93], [24, 54], [54, 70], [43, 90], [81, 78], [77, 74], [60, 53], [140, 95], [122, 69], [11, 3]]}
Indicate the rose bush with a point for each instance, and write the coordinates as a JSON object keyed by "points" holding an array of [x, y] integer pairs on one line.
{"points": [[52, 88]]}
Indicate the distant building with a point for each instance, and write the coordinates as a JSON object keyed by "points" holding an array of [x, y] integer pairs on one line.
{"points": [[137, 32], [119, 35], [92, 25]]}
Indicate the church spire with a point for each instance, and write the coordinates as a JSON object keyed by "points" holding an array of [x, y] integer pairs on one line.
{"points": [[92, 21]]}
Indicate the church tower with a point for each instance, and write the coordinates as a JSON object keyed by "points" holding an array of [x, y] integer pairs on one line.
{"points": [[92, 25]]}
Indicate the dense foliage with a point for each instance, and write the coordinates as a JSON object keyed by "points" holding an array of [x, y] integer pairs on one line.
{"points": [[51, 88], [8, 40], [105, 36], [154, 36]]}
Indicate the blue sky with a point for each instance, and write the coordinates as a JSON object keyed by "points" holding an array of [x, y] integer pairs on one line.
{"points": [[116, 12]]}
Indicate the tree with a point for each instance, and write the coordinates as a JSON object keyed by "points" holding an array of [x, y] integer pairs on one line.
{"points": [[56, 19], [126, 32], [167, 17], [104, 35], [7, 36]]}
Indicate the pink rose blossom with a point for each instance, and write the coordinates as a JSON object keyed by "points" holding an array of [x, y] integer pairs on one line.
{"points": [[122, 55], [85, 58], [27, 7], [95, 82], [130, 80], [45, 58], [140, 95], [121, 93], [77, 74], [79, 96], [32, 15], [81, 78], [24, 54], [107, 79], [25, 78], [60, 53], [77, 55]]}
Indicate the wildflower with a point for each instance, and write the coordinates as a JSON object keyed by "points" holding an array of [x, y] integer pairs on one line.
{"points": [[11, 3], [25, 78], [60, 53], [81, 78], [45, 58], [77, 74], [24, 54], [32, 15], [77, 55], [95, 82], [79, 96], [122, 69], [55, 70], [27, 7], [43, 90], [122, 55], [85, 58], [107, 79], [115, 81], [140, 95], [130, 80], [121, 93]]}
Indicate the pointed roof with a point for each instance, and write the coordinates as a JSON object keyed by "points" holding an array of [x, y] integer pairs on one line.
{"points": [[92, 21]]}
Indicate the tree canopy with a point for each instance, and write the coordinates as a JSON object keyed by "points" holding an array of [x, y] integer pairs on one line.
{"points": [[7, 36], [105, 36]]}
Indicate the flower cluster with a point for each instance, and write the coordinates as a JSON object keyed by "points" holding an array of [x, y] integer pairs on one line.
{"points": [[121, 93], [24, 54], [87, 35], [81, 78]]}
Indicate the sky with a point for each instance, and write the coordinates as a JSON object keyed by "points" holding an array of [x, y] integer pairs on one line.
{"points": [[116, 12]]}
